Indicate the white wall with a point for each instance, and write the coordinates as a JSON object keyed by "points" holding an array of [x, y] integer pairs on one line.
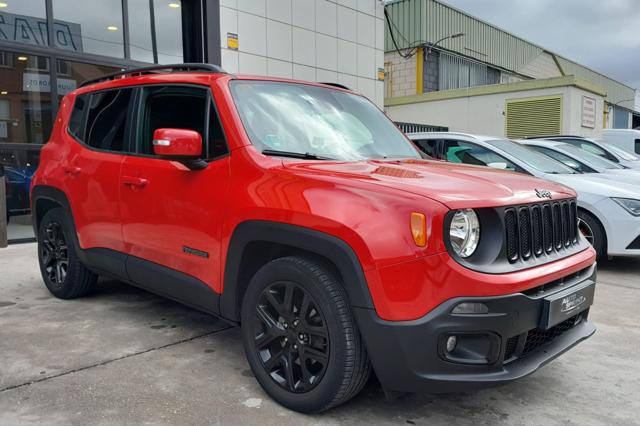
{"points": [[485, 114], [338, 41]]}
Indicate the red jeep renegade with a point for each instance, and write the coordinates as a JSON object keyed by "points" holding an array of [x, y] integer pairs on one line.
{"points": [[301, 213]]}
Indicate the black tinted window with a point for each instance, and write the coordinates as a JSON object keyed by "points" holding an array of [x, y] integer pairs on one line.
{"points": [[106, 120], [637, 141], [172, 107], [76, 121], [428, 146], [470, 153]]}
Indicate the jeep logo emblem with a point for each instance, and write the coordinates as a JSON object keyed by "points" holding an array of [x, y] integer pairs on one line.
{"points": [[543, 193]]}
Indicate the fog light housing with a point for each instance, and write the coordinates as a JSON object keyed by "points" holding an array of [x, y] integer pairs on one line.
{"points": [[451, 343], [470, 308]]}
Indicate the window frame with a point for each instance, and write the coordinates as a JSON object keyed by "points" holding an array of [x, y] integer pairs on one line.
{"points": [[85, 116], [137, 113]]}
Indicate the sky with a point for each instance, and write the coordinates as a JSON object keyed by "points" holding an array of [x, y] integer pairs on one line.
{"points": [[602, 35]]}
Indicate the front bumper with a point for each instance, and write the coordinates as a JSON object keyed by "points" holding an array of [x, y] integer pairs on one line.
{"points": [[410, 356]]}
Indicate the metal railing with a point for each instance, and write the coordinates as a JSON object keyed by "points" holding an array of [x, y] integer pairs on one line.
{"points": [[419, 128]]}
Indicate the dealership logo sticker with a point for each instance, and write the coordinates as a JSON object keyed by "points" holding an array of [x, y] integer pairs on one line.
{"points": [[543, 193], [232, 41], [572, 302]]}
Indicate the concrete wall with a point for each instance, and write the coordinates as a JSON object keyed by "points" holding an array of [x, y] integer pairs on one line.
{"points": [[338, 41], [484, 114]]}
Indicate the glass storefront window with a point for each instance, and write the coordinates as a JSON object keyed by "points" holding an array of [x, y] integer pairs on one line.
{"points": [[167, 20], [24, 21], [71, 74], [168, 30], [89, 28]]}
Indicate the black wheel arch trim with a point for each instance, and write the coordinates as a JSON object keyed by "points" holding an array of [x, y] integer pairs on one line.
{"points": [[334, 249]]}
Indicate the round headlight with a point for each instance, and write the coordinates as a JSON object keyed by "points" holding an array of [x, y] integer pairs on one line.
{"points": [[464, 232]]}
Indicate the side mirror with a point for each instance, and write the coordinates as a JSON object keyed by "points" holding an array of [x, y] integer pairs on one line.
{"points": [[179, 145]]}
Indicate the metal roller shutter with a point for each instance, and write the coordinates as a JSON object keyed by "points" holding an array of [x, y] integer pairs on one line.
{"points": [[533, 117]]}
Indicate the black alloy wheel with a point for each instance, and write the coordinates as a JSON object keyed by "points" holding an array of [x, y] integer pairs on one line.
{"points": [[55, 255], [291, 338]]}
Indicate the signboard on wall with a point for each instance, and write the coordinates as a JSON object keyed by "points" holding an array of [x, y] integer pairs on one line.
{"points": [[31, 30], [33, 82], [588, 112]]}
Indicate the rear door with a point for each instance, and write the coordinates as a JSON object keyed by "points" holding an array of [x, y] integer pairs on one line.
{"points": [[172, 216], [99, 122]]}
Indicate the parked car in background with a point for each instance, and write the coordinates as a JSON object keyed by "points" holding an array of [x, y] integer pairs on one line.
{"points": [[627, 139], [583, 161], [608, 211], [607, 151], [17, 183]]}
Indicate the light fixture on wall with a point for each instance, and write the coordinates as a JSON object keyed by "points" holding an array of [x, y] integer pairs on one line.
{"points": [[4, 92], [3, 4], [22, 58], [112, 28], [174, 4]]}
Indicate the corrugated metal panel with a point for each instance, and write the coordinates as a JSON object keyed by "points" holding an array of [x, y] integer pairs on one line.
{"points": [[542, 116], [428, 21], [616, 92]]}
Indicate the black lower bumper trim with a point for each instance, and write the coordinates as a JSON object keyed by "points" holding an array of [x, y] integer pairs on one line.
{"points": [[410, 356]]}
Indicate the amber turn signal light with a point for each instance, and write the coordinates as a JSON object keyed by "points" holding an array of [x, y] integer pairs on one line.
{"points": [[419, 229]]}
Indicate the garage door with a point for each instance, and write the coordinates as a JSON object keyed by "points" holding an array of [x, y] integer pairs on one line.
{"points": [[534, 117]]}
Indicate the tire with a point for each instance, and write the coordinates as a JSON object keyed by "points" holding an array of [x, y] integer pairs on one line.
{"points": [[593, 231], [316, 335], [63, 273]]}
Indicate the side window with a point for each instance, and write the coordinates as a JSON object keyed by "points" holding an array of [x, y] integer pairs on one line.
{"points": [[76, 121], [470, 153], [107, 114], [637, 146], [428, 146], [180, 107], [564, 159]]}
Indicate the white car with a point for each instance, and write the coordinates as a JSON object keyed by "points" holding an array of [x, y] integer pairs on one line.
{"points": [[608, 211], [582, 161], [602, 149]]}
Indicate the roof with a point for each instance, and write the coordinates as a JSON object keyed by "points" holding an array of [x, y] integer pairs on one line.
{"points": [[427, 21], [435, 135]]}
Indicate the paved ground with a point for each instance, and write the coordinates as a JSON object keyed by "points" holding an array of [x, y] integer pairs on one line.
{"points": [[126, 356]]}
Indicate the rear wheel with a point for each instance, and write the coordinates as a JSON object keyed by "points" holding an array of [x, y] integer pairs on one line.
{"points": [[63, 273], [300, 338], [593, 232]]}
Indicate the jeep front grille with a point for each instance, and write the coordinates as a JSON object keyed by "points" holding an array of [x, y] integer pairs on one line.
{"points": [[534, 230]]}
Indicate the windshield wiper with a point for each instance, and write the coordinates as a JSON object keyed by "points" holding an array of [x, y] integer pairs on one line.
{"points": [[302, 155]]}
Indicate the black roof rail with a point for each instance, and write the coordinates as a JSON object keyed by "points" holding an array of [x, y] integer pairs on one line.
{"points": [[154, 69], [338, 85]]}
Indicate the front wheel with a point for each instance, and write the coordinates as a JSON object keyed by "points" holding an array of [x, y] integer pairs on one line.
{"points": [[300, 338]]}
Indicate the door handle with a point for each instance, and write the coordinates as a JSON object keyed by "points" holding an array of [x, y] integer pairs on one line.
{"points": [[134, 181], [72, 170]]}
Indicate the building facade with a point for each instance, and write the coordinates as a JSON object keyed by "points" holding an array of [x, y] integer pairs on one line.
{"points": [[437, 58]]}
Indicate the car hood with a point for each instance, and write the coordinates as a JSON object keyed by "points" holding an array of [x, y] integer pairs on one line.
{"points": [[454, 185]]}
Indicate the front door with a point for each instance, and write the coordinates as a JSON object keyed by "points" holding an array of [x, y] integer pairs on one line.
{"points": [[172, 216]]}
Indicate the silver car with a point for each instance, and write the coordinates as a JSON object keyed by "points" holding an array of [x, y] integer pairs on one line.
{"points": [[602, 149]]}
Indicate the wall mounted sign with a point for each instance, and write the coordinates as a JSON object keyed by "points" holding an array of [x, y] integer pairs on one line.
{"points": [[588, 112], [232, 41]]}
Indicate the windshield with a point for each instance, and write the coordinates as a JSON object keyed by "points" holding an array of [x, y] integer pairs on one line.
{"points": [[316, 122], [534, 159], [592, 159]]}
